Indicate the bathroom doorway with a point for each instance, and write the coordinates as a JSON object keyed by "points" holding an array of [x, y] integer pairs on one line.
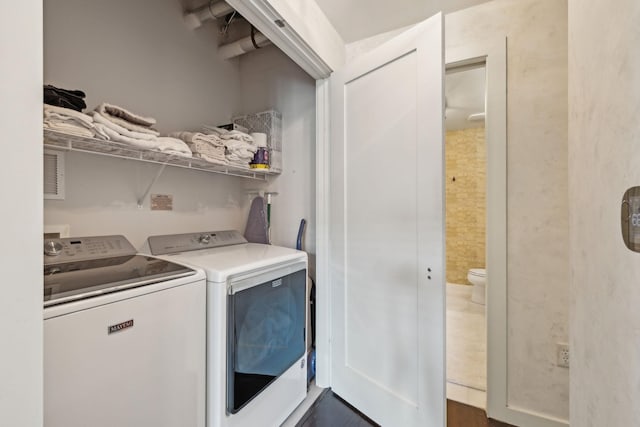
{"points": [[466, 233]]}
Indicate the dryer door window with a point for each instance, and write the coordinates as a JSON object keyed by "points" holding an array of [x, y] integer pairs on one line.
{"points": [[266, 335]]}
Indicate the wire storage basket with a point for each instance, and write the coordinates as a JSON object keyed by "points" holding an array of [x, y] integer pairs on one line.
{"points": [[270, 123]]}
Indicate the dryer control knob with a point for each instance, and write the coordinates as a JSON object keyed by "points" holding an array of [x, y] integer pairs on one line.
{"points": [[204, 239], [52, 248]]}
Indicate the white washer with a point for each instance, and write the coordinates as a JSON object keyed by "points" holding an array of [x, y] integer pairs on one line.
{"points": [[124, 337], [256, 320]]}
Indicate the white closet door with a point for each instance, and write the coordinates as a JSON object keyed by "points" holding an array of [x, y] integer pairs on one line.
{"points": [[387, 230]]}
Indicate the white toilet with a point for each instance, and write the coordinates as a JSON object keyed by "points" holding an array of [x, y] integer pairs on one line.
{"points": [[478, 278]]}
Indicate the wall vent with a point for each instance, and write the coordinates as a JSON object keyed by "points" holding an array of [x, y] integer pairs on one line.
{"points": [[53, 175]]}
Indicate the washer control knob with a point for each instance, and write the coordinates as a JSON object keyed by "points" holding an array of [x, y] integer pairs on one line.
{"points": [[204, 239], [52, 248], [53, 270]]}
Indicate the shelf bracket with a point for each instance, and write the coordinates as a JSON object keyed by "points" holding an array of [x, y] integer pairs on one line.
{"points": [[153, 181]]}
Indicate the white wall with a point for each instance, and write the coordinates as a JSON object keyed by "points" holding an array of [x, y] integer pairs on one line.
{"points": [[270, 80], [604, 153], [537, 202], [21, 190]]}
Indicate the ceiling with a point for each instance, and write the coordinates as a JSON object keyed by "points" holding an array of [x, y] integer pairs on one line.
{"points": [[358, 19], [465, 95]]}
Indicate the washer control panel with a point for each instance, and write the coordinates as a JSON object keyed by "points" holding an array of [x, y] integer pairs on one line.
{"points": [[58, 251], [174, 243]]}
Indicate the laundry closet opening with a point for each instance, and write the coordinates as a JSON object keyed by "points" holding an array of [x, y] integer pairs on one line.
{"points": [[147, 57], [144, 56]]}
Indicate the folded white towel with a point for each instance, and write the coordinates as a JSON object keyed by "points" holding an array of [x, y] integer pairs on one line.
{"points": [[234, 144], [197, 136], [68, 127], [100, 132], [166, 145], [55, 112], [236, 158], [213, 130], [207, 147], [57, 118], [237, 135], [239, 151], [215, 160], [116, 111], [131, 126], [174, 145], [99, 118], [243, 154], [112, 135]]}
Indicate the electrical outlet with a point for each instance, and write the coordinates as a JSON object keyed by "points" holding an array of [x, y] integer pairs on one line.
{"points": [[563, 355]]}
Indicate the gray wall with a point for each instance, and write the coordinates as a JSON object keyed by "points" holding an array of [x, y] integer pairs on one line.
{"points": [[604, 153], [269, 79], [140, 55]]}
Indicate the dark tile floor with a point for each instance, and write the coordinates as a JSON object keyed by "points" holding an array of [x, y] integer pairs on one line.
{"points": [[331, 411]]}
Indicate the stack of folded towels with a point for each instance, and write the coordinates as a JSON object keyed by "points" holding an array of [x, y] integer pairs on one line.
{"points": [[115, 123], [68, 121], [239, 147], [63, 112], [206, 147]]}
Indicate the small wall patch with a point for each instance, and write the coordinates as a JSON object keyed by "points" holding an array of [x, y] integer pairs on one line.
{"points": [[121, 326], [161, 202]]}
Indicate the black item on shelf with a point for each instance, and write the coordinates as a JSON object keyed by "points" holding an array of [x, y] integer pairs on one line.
{"points": [[66, 98]]}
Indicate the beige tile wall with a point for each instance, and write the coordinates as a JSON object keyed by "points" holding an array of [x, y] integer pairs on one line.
{"points": [[466, 159]]}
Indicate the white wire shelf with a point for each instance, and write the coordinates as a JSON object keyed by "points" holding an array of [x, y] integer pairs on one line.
{"points": [[66, 142]]}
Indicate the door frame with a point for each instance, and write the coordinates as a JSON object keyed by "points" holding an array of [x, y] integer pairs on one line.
{"points": [[492, 51], [493, 55]]}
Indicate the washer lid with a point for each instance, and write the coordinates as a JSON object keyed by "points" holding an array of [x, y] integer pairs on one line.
{"points": [[224, 262], [481, 272], [72, 281]]}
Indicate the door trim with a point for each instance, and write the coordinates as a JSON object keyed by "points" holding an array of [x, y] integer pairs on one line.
{"points": [[286, 29], [323, 290], [494, 54]]}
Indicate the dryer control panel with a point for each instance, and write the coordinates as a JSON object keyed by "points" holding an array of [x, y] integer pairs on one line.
{"points": [[174, 243]]}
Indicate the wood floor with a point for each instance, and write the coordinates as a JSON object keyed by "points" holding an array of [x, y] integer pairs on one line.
{"points": [[461, 415], [331, 411]]}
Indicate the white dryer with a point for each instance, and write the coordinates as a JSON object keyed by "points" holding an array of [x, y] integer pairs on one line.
{"points": [[256, 320], [124, 337]]}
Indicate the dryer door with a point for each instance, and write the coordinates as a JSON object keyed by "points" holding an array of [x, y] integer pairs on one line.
{"points": [[266, 334]]}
